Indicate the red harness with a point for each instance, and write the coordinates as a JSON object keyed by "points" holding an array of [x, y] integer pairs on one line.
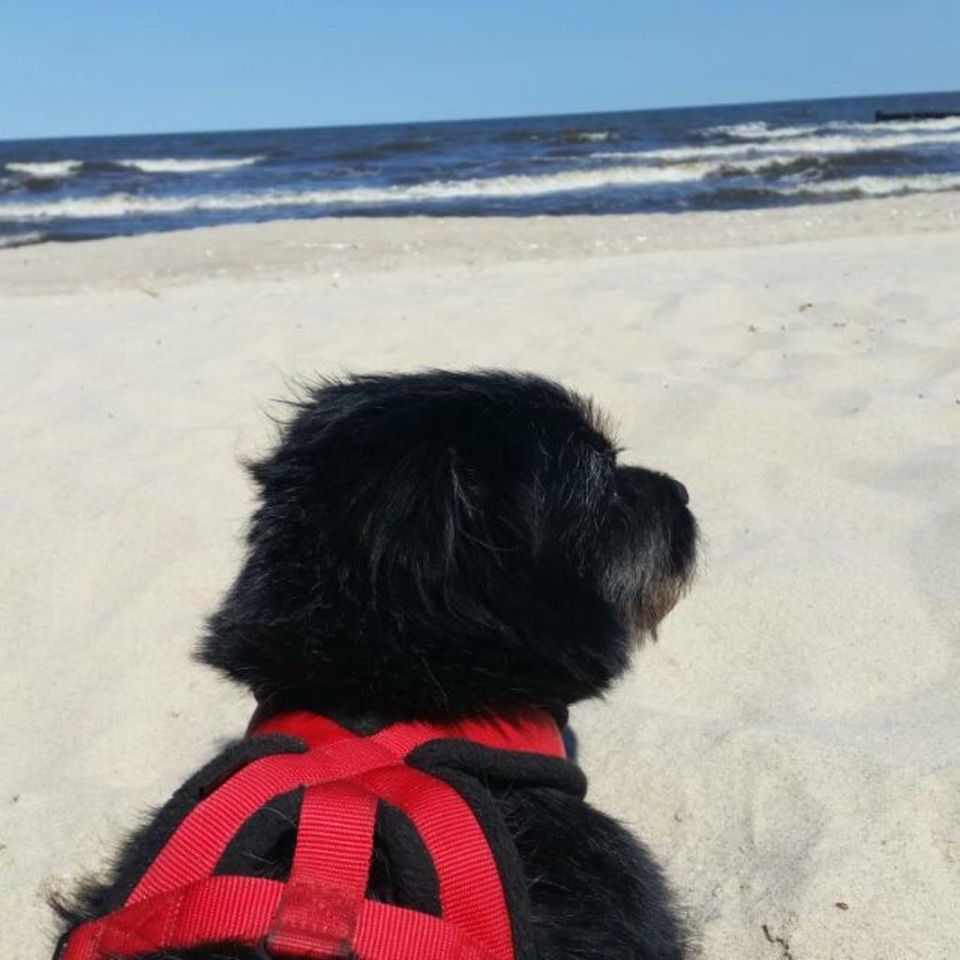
{"points": [[322, 911]]}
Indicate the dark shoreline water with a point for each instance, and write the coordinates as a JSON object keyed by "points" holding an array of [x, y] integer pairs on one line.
{"points": [[693, 158]]}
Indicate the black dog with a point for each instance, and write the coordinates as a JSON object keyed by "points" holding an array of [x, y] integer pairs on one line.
{"points": [[439, 546]]}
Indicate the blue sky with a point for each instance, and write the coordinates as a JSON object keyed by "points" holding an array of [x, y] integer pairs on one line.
{"points": [[125, 66]]}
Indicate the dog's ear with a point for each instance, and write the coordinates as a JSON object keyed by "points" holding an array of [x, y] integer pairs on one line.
{"points": [[390, 498], [413, 527]]}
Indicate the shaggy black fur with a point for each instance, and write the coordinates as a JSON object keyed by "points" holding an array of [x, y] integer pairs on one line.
{"points": [[441, 545]]}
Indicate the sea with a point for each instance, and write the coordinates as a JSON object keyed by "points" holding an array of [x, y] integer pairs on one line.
{"points": [[697, 158]]}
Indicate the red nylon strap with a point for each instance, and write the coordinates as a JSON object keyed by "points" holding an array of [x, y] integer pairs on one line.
{"points": [[201, 839], [238, 910], [532, 732], [332, 858], [312, 728], [471, 894], [321, 913], [386, 932], [215, 909], [321, 903]]}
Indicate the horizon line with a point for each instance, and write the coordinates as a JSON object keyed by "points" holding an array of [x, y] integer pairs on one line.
{"points": [[477, 119]]}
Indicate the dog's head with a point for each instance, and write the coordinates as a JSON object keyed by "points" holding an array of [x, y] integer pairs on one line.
{"points": [[443, 544]]}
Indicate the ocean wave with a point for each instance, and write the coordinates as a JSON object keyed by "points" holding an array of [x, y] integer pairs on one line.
{"points": [[186, 164], [562, 137], [761, 130], [770, 167], [519, 185], [756, 130], [820, 145], [118, 205], [875, 186], [47, 169], [931, 126], [589, 136], [22, 239]]}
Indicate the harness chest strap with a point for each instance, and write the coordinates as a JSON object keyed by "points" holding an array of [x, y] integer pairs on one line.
{"points": [[321, 912]]}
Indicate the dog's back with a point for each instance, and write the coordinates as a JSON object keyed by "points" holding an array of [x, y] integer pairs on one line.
{"points": [[574, 883]]}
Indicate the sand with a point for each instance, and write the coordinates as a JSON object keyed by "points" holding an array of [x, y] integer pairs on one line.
{"points": [[790, 749]]}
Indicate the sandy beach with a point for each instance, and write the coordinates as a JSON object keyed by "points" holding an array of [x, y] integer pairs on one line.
{"points": [[790, 749]]}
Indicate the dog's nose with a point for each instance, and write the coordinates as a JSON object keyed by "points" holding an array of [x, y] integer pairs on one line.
{"points": [[682, 492]]}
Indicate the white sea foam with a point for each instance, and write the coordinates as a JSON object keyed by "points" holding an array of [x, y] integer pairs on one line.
{"points": [[825, 145], [761, 130], [120, 204], [876, 186], [47, 170], [929, 126], [594, 136], [187, 164]]}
